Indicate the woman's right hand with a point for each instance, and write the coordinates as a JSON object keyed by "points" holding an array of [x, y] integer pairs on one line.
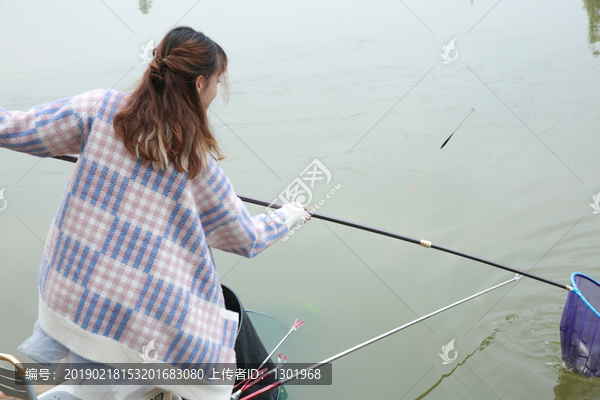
{"points": [[295, 214]]}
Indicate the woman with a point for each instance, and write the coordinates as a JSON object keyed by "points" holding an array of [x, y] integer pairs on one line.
{"points": [[127, 260]]}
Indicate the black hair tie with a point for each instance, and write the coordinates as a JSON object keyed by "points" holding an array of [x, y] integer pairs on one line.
{"points": [[160, 67]]}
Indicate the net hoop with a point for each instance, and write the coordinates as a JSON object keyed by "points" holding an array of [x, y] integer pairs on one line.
{"points": [[580, 326], [578, 292]]}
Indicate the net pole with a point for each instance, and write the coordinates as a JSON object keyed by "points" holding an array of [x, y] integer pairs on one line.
{"points": [[424, 243], [377, 338]]}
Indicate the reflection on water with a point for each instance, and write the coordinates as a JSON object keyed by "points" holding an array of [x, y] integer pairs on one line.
{"points": [[485, 343], [145, 6], [593, 9], [572, 386]]}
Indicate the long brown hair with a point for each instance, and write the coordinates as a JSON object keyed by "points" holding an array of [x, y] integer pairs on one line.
{"points": [[164, 120]]}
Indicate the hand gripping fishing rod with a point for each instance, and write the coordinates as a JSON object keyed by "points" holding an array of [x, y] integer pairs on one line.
{"points": [[424, 243]]}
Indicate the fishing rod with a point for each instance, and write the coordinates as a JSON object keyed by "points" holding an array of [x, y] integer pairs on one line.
{"points": [[580, 320], [373, 340], [421, 242]]}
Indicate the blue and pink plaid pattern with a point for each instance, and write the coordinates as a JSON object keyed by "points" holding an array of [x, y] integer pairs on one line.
{"points": [[127, 255]]}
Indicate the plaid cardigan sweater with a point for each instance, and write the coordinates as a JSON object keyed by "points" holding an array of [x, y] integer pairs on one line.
{"points": [[127, 258]]}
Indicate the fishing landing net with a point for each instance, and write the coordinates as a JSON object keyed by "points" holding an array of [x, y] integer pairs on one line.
{"points": [[580, 326]]}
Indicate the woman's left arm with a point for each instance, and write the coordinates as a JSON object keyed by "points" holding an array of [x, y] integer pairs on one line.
{"points": [[53, 129]]}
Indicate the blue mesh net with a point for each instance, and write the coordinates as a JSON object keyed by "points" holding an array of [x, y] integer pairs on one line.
{"points": [[579, 326]]}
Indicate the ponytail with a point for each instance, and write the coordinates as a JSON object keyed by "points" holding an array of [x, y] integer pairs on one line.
{"points": [[164, 121]]}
